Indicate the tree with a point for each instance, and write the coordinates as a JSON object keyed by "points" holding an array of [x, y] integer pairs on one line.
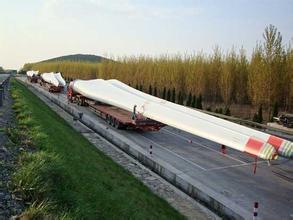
{"points": [[169, 95], [257, 117], [199, 102], [173, 97], [164, 93], [241, 78], [1, 70], [227, 78], [215, 68], [227, 111], [267, 75], [179, 98], [274, 61], [193, 103], [260, 118], [260, 114], [155, 91], [275, 110], [150, 90], [189, 99]]}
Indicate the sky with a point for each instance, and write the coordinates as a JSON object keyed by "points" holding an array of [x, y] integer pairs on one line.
{"points": [[35, 30]]}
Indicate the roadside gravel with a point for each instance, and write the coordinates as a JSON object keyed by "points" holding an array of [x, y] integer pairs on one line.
{"points": [[10, 204]]}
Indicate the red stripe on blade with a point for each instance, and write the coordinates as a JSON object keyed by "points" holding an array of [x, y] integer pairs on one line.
{"points": [[275, 141], [253, 146]]}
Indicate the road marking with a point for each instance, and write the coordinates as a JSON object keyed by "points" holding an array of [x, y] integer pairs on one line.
{"points": [[175, 154], [204, 146], [236, 165]]}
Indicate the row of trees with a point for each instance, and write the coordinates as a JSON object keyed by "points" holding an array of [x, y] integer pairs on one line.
{"points": [[264, 79]]}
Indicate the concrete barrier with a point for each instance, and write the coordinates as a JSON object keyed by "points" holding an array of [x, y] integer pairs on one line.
{"points": [[213, 200]]}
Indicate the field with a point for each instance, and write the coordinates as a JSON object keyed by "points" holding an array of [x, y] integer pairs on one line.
{"points": [[63, 176]]}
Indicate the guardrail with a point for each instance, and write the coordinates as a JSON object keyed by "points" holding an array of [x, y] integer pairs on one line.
{"points": [[248, 123], [3, 87]]}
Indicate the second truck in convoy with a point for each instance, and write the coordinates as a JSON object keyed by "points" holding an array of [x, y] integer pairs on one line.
{"points": [[53, 82]]}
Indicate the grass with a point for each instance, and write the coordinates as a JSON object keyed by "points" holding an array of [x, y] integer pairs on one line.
{"points": [[68, 178]]}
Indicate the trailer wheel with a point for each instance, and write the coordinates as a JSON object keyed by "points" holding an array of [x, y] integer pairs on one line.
{"points": [[111, 121], [108, 119], [117, 124]]}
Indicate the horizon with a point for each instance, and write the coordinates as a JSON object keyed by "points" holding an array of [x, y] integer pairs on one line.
{"points": [[33, 30]]}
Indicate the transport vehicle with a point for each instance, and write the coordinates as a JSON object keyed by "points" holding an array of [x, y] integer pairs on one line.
{"points": [[116, 117]]}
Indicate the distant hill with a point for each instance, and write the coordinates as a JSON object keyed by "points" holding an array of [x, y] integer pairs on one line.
{"points": [[78, 57]]}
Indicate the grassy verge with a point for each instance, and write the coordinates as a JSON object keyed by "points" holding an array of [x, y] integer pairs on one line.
{"points": [[66, 177]]}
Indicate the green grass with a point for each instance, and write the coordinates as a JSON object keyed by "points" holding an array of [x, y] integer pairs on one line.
{"points": [[69, 178]]}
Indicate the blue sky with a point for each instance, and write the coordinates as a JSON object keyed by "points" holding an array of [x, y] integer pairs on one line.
{"points": [[34, 30]]}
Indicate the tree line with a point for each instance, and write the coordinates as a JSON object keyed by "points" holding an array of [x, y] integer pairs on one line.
{"points": [[265, 79]]}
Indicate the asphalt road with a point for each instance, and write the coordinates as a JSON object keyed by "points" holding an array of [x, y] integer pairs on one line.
{"points": [[231, 175], [3, 77]]}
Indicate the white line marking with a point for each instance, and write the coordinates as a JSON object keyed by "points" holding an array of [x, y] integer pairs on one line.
{"points": [[236, 165], [177, 155], [204, 146]]}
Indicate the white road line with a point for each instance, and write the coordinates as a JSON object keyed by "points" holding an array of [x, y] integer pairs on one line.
{"points": [[175, 154], [204, 146], [236, 165]]}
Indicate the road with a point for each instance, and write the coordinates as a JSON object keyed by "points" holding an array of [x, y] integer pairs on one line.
{"points": [[3, 77], [231, 174]]}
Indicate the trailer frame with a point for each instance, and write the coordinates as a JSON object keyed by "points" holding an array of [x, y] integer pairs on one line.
{"points": [[114, 116]]}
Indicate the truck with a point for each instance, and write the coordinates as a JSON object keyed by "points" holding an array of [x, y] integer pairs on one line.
{"points": [[53, 82], [49, 86], [33, 79], [285, 119], [114, 116], [32, 76]]}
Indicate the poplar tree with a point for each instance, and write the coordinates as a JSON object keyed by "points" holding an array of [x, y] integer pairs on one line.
{"points": [[164, 93], [173, 97], [189, 99], [150, 90], [155, 91], [199, 102], [193, 104]]}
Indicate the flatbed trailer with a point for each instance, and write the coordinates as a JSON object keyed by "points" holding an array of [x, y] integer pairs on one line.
{"points": [[114, 116], [50, 87]]}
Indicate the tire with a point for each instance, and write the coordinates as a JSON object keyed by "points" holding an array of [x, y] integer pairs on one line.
{"points": [[117, 124], [111, 121], [108, 119]]}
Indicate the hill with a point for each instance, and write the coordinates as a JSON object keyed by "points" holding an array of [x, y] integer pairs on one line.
{"points": [[78, 57]]}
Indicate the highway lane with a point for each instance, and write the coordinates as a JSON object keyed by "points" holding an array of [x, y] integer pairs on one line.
{"points": [[3, 77], [230, 175]]}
